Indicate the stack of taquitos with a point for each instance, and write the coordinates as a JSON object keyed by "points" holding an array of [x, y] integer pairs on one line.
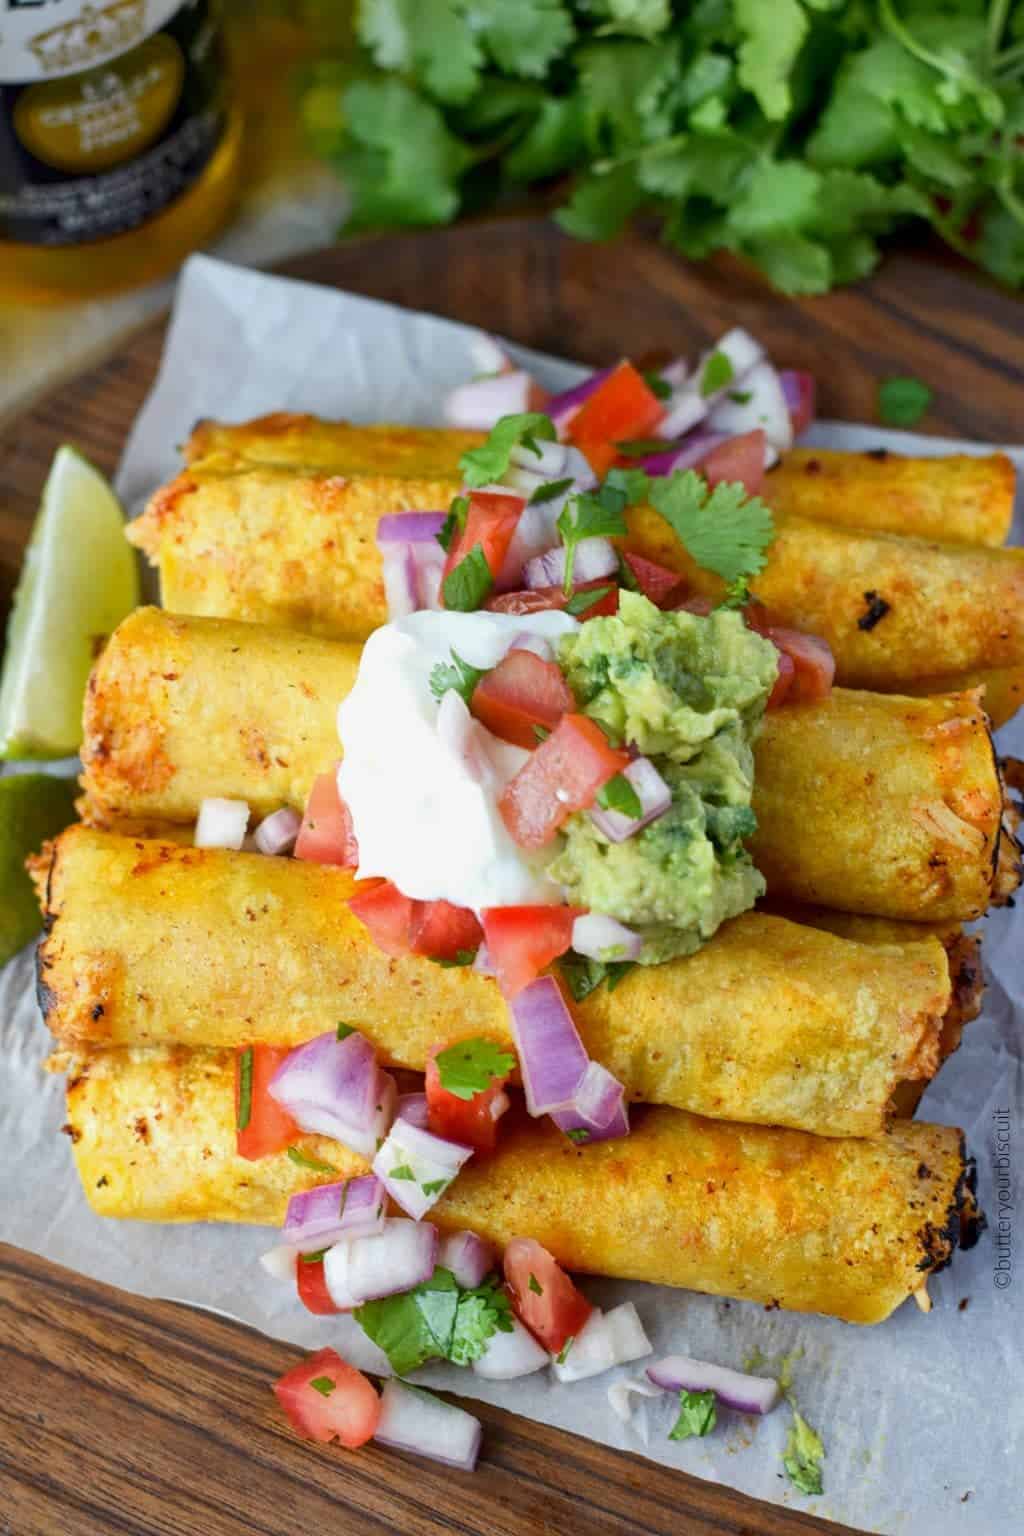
{"points": [[892, 807]]}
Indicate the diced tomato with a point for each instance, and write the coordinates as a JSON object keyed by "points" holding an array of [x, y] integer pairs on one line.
{"points": [[783, 682], [544, 1298], [443, 931], [623, 407], [490, 522], [737, 460], [814, 665], [563, 775], [387, 914], [312, 1287], [522, 691], [326, 1399], [655, 581], [542, 599], [801, 409], [270, 1128], [474, 1122], [521, 941], [326, 835]]}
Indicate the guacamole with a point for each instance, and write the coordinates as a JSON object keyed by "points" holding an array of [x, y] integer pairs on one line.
{"points": [[689, 693]]}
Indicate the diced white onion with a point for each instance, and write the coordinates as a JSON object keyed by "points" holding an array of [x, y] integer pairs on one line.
{"points": [[765, 409], [620, 1392], [432, 1162], [600, 937], [606, 1339], [509, 1355], [414, 1420], [280, 1262], [395, 1260], [221, 823]]}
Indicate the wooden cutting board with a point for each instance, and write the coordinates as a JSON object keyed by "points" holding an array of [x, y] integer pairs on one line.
{"points": [[125, 1416]]}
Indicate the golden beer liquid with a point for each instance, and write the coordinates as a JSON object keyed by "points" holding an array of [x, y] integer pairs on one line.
{"points": [[41, 120]]}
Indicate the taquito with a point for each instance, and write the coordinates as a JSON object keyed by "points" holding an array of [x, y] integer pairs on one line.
{"points": [[881, 804], [844, 1227], [769, 1023]]}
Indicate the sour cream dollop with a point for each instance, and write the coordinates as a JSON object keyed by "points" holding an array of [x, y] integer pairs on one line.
{"points": [[424, 809]]}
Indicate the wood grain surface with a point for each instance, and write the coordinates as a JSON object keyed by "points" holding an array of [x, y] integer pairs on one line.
{"points": [[125, 1416]]}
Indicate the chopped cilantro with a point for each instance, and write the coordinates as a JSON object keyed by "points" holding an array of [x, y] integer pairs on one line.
{"points": [[583, 976], [658, 386], [437, 1320], [461, 957], [402, 1171], [541, 732], [580, 602], [313, 1258], [304, 1160], [803, 1456], [641, 447], [534, 1285], [551, 491], [470, 1066], [324, 1385], [596, 515], [563, 1353], [468, 583], [344, 1030], [697, 1415], [741, 396], [716, 374], [486, 465], [902, 402], [435, 1186], [619, 795], [454, 522], [724, 530], [457, 674], [244, 1069], [578, 1134]]}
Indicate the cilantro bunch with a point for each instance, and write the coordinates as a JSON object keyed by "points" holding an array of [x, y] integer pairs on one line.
{"points": [[794, 132]]}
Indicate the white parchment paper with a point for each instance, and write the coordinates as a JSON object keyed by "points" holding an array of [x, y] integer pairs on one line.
{"points": [[923, 1417]]}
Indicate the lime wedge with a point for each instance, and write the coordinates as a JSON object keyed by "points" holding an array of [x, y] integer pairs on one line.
{"points": [[33, 807], [78, 582]]}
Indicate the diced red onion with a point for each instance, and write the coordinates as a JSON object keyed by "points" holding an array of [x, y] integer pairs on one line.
{"points": [[409, 527], [550, 461], [335, 1213], [686, 454], [606, 1339], [277, 832], [800, 390], [620, 1391], [395, 1260], [653, 793], [414, 1420], [601, 937], [280, 1262], [432, 1162], [747, 1394], [562, 408], [334, 1088], [488, 355], [509, 1355], [469, 1257], [595, 559], [480, 405], [221, 823], [766, 409], [598, 1109], [552, 1058], [412, 1107]]}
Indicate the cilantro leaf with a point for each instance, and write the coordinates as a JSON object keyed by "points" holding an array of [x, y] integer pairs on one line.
{"points": [[716, 373], [698, 1413], [400, 162], [468, 584], [902, 402], [551, 491], [659, 387], [581, 602], [633, 483], [590, 516], [469, 1066], [583, 976], [772, 38], [487, 464], [601, 204], [437, 1320], [803, 1456], [454, 522], [724, 530], [523, 38], [324, 1385], [304, 1160], [457, 675], [619, 795]]}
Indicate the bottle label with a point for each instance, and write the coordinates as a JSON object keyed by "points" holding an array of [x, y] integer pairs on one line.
{"points": [[108, 112]]}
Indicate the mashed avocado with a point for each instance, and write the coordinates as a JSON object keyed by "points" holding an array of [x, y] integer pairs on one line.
{"points": [[689, 693]]}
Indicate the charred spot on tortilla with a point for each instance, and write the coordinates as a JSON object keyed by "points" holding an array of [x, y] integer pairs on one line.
{"points": [[812, 467], [881, 454], [877, 608]]}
